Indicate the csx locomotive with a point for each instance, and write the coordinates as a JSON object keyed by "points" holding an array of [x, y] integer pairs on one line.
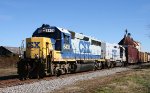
{"points": [[54, 51]]}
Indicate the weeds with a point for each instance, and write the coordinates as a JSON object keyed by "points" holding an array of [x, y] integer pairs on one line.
{"points": [[137, 81]]}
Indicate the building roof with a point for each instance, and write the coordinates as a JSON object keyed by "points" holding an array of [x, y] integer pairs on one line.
{"points": [[127, 40], [14, 50]]}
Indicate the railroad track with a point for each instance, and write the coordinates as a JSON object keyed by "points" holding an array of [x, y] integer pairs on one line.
{"points": [[12, 80]]}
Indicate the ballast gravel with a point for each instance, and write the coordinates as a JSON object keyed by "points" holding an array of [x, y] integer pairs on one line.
{"points": [[45, 86]]}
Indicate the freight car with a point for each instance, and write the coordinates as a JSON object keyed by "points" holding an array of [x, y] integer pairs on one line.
{"points": [[54, 51], [132, 54], [148, 57], [143, 57]]}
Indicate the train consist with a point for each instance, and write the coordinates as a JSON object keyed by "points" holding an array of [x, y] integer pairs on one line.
{"points": [[54, 51], [133, 50]]}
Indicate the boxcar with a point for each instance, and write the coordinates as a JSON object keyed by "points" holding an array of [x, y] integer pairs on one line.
{"points": [[148, 54], [145, 57], [141, 56], [132, 54]]}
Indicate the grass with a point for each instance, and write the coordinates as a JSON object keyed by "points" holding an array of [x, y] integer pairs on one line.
{"points": [[132, 81], [137, 81]]}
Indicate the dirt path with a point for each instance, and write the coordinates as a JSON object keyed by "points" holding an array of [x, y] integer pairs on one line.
{"points": [[8, 71]]}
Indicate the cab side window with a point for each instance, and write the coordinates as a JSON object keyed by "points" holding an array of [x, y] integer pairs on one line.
{"points": [[66, 39], [66, 43]]}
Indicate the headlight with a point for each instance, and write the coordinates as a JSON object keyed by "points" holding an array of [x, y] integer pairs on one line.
{"points": [[44, 57], [36, 56]]}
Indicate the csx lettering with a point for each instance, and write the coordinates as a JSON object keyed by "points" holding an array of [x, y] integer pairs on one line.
{"points": [[33, 45], [114, 52], [84, 47]]}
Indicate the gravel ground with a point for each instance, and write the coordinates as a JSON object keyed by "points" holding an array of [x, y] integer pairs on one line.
{"points": [[45, 86]]}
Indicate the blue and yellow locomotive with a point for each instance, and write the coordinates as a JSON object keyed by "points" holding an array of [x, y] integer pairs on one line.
{"points": [[53, 51]]}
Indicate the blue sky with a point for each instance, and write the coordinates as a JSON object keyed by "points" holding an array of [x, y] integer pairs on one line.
{"points": [[103, 19]]}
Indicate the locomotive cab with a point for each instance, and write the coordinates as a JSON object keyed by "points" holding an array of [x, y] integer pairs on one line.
{"points": [[61, 38]]}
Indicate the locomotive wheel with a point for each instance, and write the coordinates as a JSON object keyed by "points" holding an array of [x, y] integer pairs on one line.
{"points": [[37, 70], [126, 64], [123, 64], [22, 69], [112, 64], [65, 71], [33, 70], [72, 68], [58, 72], [108, 64], [41, 72], [100, 65], [95, 66]]}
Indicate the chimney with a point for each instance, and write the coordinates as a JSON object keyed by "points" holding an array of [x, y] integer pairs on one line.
{"points": [[126, 31], [129, 34]]}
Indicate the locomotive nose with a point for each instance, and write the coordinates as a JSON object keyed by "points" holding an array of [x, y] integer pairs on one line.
{"points": [[38, 47]]}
